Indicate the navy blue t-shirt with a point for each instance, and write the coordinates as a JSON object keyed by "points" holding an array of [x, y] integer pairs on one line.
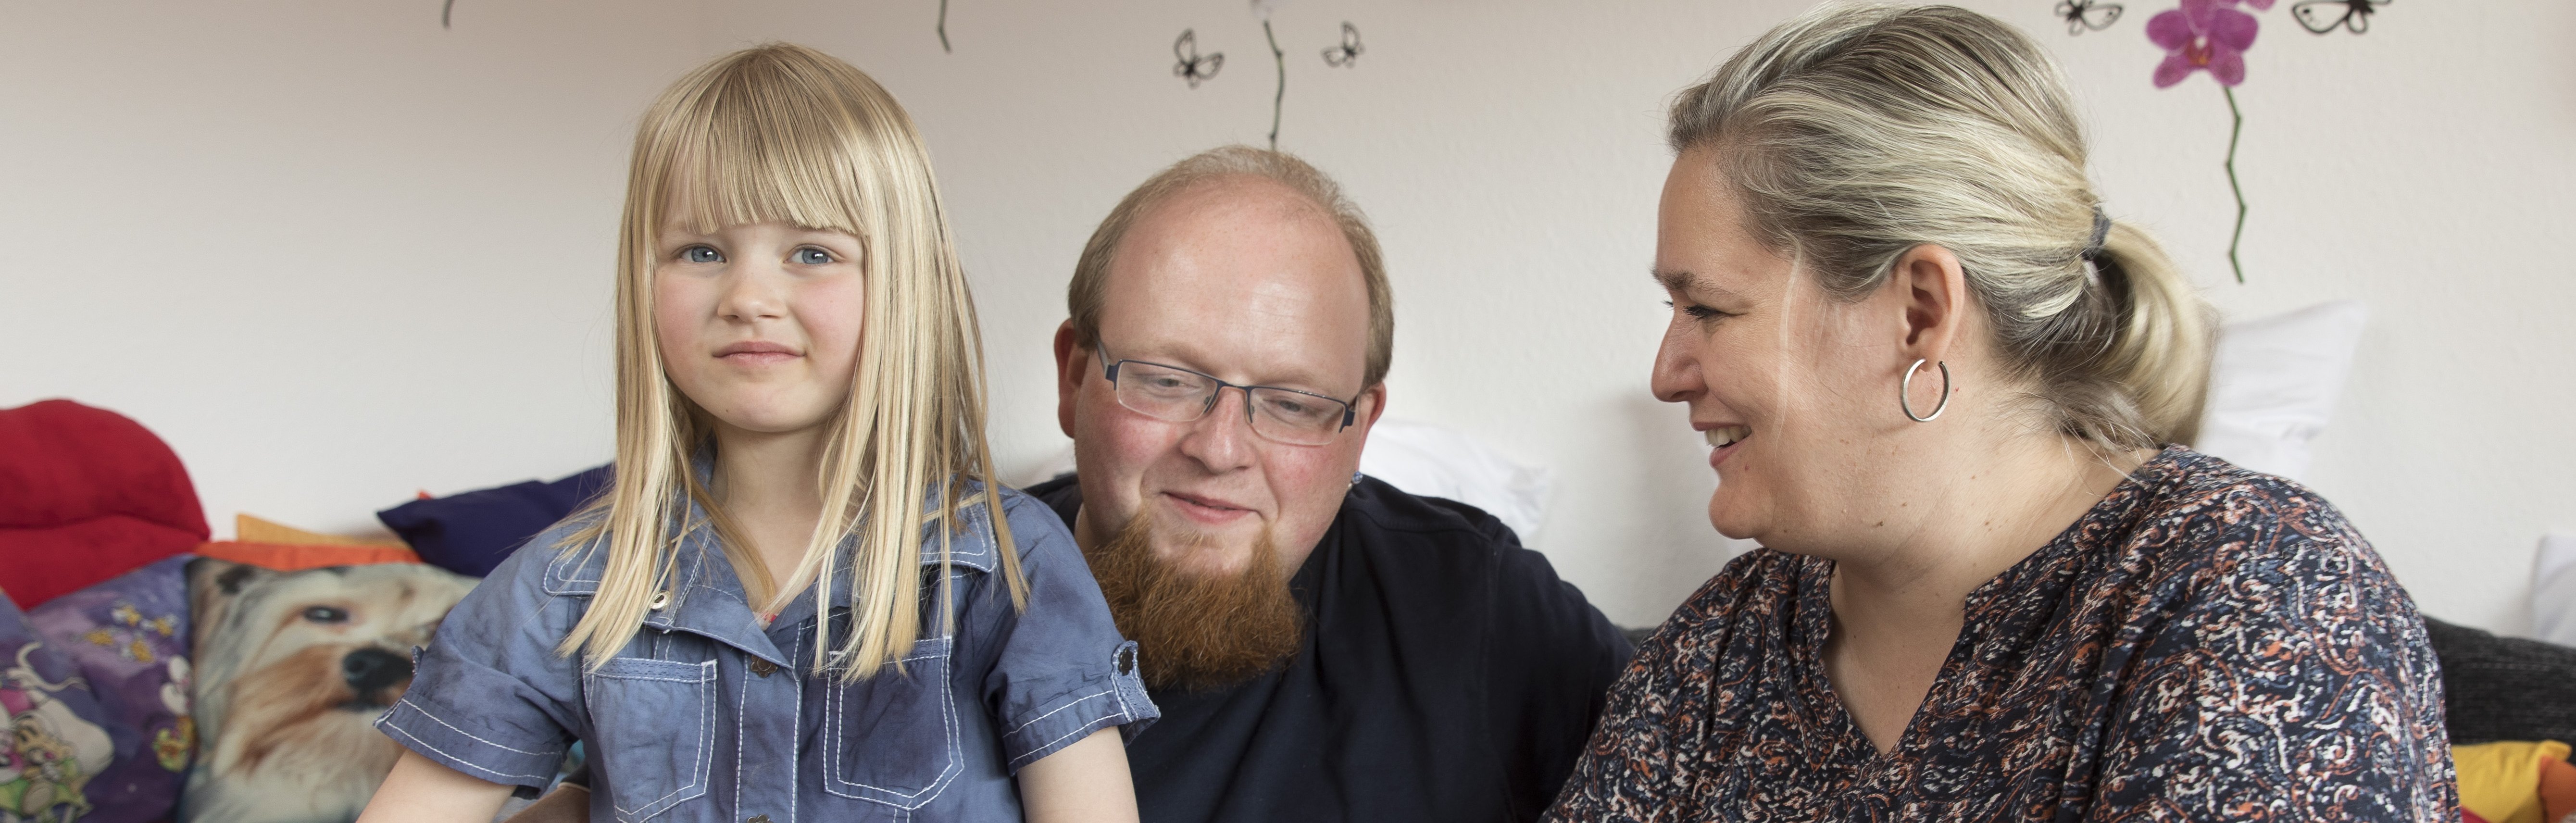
{"points": [[1447, 674]]}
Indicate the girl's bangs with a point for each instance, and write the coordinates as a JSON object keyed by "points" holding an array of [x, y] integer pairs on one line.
{"points": [[766, 164]]}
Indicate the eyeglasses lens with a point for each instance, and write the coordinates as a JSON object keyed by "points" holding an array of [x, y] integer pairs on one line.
{"points": [[1179, 396]]}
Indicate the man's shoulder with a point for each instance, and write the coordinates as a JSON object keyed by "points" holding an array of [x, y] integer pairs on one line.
{"points": [[1436, 541], [1379, 509]]}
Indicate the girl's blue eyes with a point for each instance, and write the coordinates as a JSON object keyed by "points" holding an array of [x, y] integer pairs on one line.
{"points": [[808, 256]]}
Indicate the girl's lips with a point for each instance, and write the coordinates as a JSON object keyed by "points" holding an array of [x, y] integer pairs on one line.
{"points": [[757, 358], [756, 353]]}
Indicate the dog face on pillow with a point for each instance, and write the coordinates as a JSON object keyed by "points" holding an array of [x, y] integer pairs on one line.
{"points": [[291, 670]]}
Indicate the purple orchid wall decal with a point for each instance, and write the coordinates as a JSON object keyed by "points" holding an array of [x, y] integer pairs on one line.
{"points": [[2202, 35], [2212, 36]]}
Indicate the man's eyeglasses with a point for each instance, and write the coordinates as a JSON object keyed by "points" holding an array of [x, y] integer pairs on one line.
{"points": [[1298, 418]]}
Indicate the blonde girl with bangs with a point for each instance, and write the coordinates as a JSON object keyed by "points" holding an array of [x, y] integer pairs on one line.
{"points": [[805, 596]]}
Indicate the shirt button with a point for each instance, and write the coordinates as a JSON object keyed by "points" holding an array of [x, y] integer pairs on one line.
{"points": [[660, 599], [763, 668]]}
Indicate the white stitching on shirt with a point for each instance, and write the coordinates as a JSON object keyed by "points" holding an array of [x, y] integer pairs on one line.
{"points": [[1075, 702], [706, 733], [947, 714], [444, 753], [406, 701], [1093, 726]]}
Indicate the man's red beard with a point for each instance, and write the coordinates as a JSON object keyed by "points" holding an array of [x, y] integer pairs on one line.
{"points": [[1197, 631]]}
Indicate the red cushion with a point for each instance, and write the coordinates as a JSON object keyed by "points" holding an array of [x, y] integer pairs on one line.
{"points": [[86, 495]]}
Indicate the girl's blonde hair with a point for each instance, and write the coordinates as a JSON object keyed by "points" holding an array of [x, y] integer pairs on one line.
{"points": [[783, 133], [1857, 132]]}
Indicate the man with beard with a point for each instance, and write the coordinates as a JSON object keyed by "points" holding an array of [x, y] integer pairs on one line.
{"points": [[1323, 646]]}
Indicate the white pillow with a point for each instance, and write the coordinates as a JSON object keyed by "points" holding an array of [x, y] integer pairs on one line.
{"points": [[2553, 590], [2272, 385], [1437, 461], [1420, 458]]}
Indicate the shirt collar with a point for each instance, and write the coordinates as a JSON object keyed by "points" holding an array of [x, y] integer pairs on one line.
{"points": [[706, 598]]}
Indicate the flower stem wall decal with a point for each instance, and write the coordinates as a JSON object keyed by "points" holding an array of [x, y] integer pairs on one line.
{"points": [[943, 27], [2235, 131], [446, 13], [2211, 36], [1278, 100]]}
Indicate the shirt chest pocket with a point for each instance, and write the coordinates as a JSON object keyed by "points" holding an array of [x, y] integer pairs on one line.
{"points": [[653, 722], [894, 736]]}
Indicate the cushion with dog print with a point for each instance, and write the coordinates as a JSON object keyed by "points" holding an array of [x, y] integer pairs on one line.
{"points": [[128, 639], [292, 668], [58, 740]]}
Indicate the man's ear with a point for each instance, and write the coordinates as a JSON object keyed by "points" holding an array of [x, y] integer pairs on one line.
{"points": [[1932, 290], [1072, 366]]}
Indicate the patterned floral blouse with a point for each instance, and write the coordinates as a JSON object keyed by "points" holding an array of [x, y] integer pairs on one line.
{"points": [[2206, 643]]}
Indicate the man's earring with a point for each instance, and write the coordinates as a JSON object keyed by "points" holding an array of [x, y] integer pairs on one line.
{"points": [[1355, 478]]}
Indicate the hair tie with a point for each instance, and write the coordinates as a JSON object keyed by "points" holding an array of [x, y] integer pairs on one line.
{"points": [[2101, 232]]}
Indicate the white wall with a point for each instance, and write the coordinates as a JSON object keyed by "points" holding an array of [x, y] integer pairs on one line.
{"points": [[415, 297]]}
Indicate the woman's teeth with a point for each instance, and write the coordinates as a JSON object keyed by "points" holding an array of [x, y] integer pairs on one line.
{"points": [[1724, 436]]}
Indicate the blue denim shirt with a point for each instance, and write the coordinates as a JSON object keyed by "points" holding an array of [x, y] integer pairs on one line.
{"points": [[705, 716]]}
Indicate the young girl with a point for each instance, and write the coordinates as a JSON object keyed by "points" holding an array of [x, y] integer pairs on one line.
{"points": [[803, 599]]}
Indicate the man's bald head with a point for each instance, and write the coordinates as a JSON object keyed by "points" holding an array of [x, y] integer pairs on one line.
{"points": [[1236, 165]]}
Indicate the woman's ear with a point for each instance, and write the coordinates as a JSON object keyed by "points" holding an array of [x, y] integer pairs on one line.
{"points": [[1932, 290]]}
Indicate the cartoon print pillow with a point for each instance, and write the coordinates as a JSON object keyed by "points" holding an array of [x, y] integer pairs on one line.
{"points": [[127, 639], [291, 670], [57, 737]]}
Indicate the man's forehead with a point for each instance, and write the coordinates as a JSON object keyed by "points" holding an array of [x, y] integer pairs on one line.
{"points": [[1244, 276]]}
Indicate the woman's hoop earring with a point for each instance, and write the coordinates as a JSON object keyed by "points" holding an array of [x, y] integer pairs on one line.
{"points": [[1905, 392]]}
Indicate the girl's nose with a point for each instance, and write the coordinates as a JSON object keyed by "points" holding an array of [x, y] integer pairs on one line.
{"points": [[752, 295]]}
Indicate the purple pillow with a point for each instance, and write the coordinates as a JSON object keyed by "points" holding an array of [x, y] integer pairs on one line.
{"points": [[127, 638], [60, 741], [471, 532]]}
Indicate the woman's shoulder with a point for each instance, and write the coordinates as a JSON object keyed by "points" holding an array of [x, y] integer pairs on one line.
{"points": [[2203, 526], [1759, 589], [2189, 499]]}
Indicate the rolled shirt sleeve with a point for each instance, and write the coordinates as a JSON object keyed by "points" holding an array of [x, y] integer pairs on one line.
{"points": [[489, 697], [1062, 670]]}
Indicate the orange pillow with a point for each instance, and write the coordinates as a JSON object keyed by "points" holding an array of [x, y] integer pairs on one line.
{"points": [[250, 529], [292, 556]]}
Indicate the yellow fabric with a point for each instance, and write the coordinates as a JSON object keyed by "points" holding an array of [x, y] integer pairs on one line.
{"points": [[2501, 781], [250, 529]]}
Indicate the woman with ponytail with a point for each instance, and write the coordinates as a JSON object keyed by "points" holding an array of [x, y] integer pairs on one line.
{"points": [[1945, 390]]}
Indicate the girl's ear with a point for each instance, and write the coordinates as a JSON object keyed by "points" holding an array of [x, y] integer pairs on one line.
{"points": [[1932, 293]]}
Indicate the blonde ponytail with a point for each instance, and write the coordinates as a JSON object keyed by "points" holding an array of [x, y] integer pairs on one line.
{"points": [[2159, 355]]}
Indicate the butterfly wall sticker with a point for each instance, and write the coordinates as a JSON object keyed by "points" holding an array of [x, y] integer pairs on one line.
{"points": [[1189, 64], [1348, 51], [2087, 15], [2323, 16]]}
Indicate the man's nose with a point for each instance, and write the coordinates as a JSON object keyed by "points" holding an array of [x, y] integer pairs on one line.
{"points": [[1221, 440]]}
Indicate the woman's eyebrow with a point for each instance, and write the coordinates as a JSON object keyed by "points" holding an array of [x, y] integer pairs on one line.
{"points": [[1683, 282]]}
